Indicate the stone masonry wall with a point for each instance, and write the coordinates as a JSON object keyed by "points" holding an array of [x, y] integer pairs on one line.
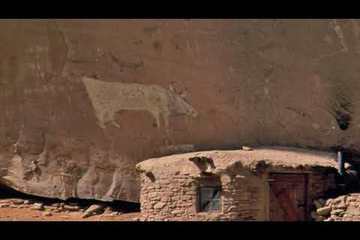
{"points": [[167, 197], [174, 197], [244, 196]]}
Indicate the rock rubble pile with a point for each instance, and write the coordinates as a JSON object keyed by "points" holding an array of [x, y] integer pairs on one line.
{"points": [[341, 208]]}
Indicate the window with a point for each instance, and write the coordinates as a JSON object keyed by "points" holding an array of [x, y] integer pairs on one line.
{"points": [[209, 199]]}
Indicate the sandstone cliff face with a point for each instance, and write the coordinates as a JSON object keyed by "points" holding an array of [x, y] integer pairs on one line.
{"points": [[83, 101]]}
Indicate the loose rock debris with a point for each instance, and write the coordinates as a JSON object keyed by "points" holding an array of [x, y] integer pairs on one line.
{"points": [[341, 208], [12, 209]]}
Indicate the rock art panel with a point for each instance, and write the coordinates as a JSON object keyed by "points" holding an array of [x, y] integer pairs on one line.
{"points": [[82, 102]]}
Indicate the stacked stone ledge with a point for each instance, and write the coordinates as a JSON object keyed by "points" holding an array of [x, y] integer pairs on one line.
{"points": [[341, 208]]}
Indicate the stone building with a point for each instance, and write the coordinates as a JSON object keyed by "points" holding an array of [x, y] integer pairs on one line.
{"points": [[277, 184]]}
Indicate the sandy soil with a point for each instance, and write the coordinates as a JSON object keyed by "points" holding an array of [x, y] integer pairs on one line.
{"points": [[25, 214], [24, 211]]}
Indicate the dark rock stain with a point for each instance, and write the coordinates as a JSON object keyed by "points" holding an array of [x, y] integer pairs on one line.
{"points": [[57, 48], [135, 65], [150, 30], [342, 111], [343, 119], [138, 42], [157, 45]]}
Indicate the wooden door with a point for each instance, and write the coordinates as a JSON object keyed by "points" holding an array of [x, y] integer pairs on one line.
{"points": [[288, 197]]}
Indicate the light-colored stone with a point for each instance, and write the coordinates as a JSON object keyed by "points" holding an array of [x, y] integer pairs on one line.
{"points": [[178, 211], [352, 210], [37, 206], [159, 205], [246, 148], [71, 208], [337, 212], [93, 210], [324, 211]]}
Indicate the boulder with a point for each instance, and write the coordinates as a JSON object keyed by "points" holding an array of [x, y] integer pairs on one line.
{"points": [[37, 206], [324, 211], [93, 210], [337, 212]]}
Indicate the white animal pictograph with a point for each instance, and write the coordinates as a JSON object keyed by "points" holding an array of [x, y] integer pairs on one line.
{"points": [[108, 98]]}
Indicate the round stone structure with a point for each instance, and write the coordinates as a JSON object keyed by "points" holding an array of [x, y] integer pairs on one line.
{"points": [[275, 183]]}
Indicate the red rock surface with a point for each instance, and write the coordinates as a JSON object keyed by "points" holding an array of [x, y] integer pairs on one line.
{"points": [[83, 101]]}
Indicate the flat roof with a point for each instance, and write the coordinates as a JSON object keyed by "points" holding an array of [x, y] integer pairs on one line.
{"points": [[277, 157]]}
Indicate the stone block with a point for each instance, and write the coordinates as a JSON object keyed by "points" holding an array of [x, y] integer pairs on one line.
{"points": [[324, 211], [159, 205]]}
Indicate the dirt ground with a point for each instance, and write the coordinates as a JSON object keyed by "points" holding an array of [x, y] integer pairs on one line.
{"points": [[12, 211], [14, 214]]}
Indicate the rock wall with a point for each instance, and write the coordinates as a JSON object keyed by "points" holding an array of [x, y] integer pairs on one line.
{"points": [[245, 196], [83, 101], [175, 197], [342, 208]]}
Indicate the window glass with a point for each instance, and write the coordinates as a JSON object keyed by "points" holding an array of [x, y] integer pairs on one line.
{"points": [[209, 199]]}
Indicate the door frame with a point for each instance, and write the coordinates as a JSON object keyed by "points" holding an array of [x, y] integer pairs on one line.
{"points": [[306, 175]]}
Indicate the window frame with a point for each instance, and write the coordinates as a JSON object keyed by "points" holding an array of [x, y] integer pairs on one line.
{"points": [[209, 182], [200, 208]]}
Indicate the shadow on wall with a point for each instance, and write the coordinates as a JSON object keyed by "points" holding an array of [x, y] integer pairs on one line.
{"points": [[121, 206]]}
